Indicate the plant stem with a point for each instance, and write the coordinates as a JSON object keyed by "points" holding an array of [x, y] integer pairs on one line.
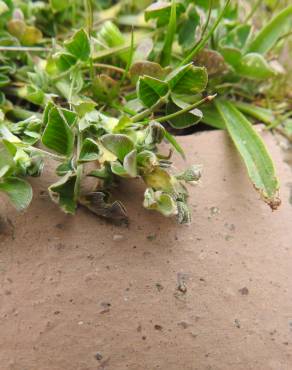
{"points": [[170, 34], [24, 49], [48, 154], [208, 19], [253, 10], [185, 110], [129, 63], [205, 39], [89, 15], [145, 113], [108, 66]]}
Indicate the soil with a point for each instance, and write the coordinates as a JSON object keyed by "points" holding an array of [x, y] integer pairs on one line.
{"points": [[78, 293]]}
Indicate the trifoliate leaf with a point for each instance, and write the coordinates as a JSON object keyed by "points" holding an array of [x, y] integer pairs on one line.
{"points": [[130, 163]]}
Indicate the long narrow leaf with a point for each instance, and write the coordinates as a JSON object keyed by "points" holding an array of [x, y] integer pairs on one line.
{"points": [[166, 52], [270, 34], [252, 149]]}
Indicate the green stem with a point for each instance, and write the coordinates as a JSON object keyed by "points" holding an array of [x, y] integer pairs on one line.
{"points": [[185, 110], [48, 154], [108, 66], [208, 19], [140, 116], [253, 10], [205, 39], [89, 15], [24, 49]]}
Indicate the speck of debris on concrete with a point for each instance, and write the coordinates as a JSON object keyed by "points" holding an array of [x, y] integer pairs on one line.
{"points": [[244, 291], [98, 356], [118, 237]]}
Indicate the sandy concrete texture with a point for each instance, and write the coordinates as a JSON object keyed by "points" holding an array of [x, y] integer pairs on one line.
{"points": [[77, 293]]}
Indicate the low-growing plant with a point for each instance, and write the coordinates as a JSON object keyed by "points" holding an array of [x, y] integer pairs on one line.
{"points": [[97, 87]]}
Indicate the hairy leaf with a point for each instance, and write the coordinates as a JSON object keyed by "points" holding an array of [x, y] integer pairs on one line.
{"points": [[63, 193], [118, 144], [161, 202], [89, 151], [18, 191], [58, 135]]}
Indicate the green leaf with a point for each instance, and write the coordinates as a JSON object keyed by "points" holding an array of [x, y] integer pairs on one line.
{"points": [[252, 149], [62, 192], [254, 66], [118, 169], [271, 32], [188, 79], [6, 11], [147, 161], [64, 61], [3, 7], [183, 120], [6, 159], [212, 117], [161, 202], [18, 191], [31, 36], [161, 11], [154, 133], [59, 5], [111, 36], [231, 56], [150, 90], [79, 45], [130, 163], [159, 179], [89, 151], [151, 69], [261, 114], [32, 94], [187, 31], [190, 175], [237, 38], [118, 144], [172, 140], [58, 135], [4, 80]]}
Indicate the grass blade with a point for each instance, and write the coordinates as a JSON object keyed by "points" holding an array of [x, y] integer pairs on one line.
{"points": [[269, 34], [206, 38], [167, 48], [252, 149]]}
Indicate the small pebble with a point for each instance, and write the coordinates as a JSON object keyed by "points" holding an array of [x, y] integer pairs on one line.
{"points": [[244, 291], [98, 356], [118, 237], [183, 324]]}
